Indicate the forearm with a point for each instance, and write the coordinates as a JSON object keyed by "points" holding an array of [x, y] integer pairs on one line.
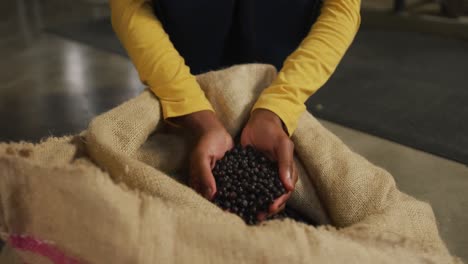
{"points": [[313, 62], [157, 61]]}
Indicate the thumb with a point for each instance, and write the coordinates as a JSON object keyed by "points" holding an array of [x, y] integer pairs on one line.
{"points": [[285, 152], [245, 137]]}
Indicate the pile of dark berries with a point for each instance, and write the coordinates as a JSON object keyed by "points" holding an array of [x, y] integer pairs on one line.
{"points": [[247, 182]]}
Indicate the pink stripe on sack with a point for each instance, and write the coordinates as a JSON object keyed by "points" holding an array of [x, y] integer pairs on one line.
{"points": [[43, 248]]}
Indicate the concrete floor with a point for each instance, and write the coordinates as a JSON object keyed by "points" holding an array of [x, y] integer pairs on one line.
{"points": [[428, 7], [53, 86], [422, 16]]}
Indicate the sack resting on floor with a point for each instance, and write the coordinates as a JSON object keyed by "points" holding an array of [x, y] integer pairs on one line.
{"points": [[116, 194]]}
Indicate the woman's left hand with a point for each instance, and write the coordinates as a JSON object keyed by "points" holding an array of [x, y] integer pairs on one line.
{"points": [[264, 131]]}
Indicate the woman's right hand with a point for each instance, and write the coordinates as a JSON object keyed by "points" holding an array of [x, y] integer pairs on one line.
{"points": [[213, 141]]}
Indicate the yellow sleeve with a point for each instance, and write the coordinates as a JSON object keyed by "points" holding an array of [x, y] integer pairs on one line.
{"points": [[158, 63], [313, 62]]}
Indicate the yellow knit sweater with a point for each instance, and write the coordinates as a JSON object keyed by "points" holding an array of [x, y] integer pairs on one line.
{"points": [[162, 68]]}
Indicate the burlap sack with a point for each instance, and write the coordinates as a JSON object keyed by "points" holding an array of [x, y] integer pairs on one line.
{"points": [[59, 205]]}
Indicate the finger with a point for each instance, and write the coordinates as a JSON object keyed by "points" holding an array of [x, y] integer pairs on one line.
{"points": [[262, 216], [230, 143], [282, 207], [295, 173], [212, 164], [206, 178], [278, 203], [285, 153], [245, 138], [229, 146], [201, 176]]}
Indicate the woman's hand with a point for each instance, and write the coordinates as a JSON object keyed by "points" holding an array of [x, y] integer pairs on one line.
{"points": [[264, 131], [212, 143]]}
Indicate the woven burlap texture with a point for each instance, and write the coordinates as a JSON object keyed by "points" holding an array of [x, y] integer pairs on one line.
{"points": [[106, 196]]}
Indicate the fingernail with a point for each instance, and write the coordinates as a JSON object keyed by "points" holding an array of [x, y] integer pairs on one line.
{"points": [[282, 204], [289, 178], [208, 193]]}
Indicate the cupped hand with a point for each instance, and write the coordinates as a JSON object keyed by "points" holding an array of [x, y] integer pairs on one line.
{"points": [[264, 131], [213, 141]]}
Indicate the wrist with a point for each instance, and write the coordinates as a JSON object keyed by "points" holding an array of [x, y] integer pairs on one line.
{"points": [[201, 122], [267, 115]]}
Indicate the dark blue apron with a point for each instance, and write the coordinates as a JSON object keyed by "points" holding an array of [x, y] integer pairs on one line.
{"points": [[212, 34]]}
